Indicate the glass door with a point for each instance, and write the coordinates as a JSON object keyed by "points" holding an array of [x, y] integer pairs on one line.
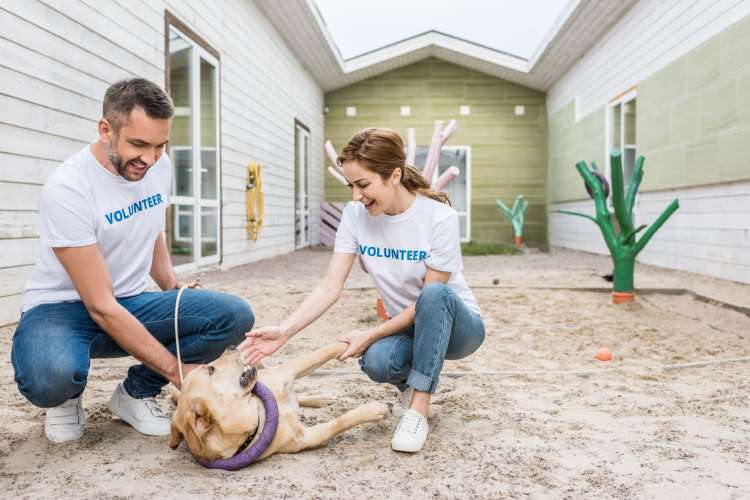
{"points": [[301, 186], [194, 218]]}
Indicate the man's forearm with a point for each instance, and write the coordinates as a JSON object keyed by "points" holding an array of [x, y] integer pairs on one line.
{"points": [[133, 337]]}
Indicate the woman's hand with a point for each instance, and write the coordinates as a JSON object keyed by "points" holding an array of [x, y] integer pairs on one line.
{"points": [[262, 342], [358, 341]]}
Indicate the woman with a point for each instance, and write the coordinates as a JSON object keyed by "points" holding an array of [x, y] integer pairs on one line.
{"points": [[407, 236]]}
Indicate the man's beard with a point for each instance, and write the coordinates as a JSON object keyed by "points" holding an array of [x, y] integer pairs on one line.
{"points": [[120, 165]]}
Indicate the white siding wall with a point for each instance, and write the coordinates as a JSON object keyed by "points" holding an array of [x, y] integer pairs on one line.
{"points": [[58, 58], [710, 233]]}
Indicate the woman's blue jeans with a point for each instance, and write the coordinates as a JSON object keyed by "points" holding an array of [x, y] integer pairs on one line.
{"points": [[444, 328], [54, 343]]}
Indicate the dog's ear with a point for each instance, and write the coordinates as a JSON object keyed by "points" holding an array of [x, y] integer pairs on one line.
{"points": [[175, 436], [203, 416]]}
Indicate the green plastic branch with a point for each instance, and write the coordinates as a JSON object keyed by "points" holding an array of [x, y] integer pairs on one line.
{"points": [[515, 214], [622, 244]]}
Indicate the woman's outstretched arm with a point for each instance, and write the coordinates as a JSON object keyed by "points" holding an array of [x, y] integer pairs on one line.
{"points": [[264, 341]]}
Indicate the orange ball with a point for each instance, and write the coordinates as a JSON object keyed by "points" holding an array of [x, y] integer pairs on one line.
{"points": [[603, 354]]}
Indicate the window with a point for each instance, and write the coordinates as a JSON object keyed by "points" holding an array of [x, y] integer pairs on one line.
{"points": [[459, 191], [193, 82], [301, 185], [621, 124]]}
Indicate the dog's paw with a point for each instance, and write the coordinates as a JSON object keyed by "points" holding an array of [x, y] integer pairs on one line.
{"points": [[376, 411]]}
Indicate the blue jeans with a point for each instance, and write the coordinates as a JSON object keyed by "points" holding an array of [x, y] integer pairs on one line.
{"points": [[444, 328], [54, 343]]}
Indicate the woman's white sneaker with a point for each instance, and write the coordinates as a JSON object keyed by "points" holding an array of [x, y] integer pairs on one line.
{"points": [[65, 422], [144, 415], [411, 432]]}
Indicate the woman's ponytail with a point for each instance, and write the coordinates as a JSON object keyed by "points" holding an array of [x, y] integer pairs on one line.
{"points": [[413, 180]]}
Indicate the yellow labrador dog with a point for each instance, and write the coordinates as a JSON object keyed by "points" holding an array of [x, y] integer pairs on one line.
{"points": [[217, 415]]}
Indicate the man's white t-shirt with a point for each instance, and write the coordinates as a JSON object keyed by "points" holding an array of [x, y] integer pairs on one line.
{"points": [[398, 249], [81, 204]]}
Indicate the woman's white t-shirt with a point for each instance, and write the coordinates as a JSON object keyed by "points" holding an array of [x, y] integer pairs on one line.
{"points": [[398, 249], [83, 204]]}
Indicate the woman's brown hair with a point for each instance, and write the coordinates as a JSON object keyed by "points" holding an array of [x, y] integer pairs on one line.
{"points": [[381, 150]]}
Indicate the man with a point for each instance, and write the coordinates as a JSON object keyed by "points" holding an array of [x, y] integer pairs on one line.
{"points": [[102, 213]]}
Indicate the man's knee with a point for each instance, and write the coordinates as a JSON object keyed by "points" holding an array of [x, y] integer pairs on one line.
{"points": [[51, 383], [237, 314]]}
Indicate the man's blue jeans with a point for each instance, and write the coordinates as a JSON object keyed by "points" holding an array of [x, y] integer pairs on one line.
{"points": [[54, 343], [444, 328]]}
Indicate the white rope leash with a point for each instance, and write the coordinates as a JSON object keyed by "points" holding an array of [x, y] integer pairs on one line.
{"points": [[194, 284]]}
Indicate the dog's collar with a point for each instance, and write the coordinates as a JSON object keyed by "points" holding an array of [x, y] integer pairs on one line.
{"points": [[253, 452]]}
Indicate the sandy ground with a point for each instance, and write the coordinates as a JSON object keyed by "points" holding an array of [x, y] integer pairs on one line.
{"points": [[529, 415]]}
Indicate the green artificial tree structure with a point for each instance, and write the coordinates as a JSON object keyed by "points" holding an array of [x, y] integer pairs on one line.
{"points": [[623, 245], [515, 216]]}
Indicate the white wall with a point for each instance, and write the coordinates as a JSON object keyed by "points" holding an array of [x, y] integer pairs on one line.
{"points": [[710, 233], [58, 58]]}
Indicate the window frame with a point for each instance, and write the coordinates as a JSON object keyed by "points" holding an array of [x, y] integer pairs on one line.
{"points": [[436, 174], [305, 240], [201, 50], [620, 100]]}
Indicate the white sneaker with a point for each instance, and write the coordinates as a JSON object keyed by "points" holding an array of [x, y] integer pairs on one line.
{"points": [[411, 432], [65, 422], [144, 415]]}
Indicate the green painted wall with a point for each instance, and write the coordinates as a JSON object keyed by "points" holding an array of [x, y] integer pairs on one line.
{"points": [[569, 143], [693, 122], [692, 125], [508, 152]]}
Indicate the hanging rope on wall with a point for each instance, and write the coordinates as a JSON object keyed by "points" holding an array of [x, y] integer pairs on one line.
{"points": [[255, 210]]}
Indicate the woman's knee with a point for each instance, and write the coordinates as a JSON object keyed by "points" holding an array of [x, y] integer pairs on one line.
{"points": [[433, 294]]}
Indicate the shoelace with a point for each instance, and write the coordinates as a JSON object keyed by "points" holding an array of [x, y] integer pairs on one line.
{"points": [[410, 422]]}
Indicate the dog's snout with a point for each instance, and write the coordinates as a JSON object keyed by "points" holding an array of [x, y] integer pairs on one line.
{"points": [[248, 376]]}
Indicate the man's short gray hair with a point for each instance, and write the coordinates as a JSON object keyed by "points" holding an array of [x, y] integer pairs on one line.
{"points": [[122, 97]]}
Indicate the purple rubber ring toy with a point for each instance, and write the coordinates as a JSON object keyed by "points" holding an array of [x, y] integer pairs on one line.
{"points": [[253, 452]]}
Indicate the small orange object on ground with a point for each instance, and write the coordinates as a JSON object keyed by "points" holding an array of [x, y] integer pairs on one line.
{"points": [[603, 354]]}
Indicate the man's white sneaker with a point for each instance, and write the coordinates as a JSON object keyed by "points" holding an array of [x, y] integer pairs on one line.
{"points": [[411, 432], [65, 422], [144, 415]]}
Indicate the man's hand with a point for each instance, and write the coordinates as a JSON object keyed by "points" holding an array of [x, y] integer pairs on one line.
{"points": [[262, 342], [358, 341]]}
